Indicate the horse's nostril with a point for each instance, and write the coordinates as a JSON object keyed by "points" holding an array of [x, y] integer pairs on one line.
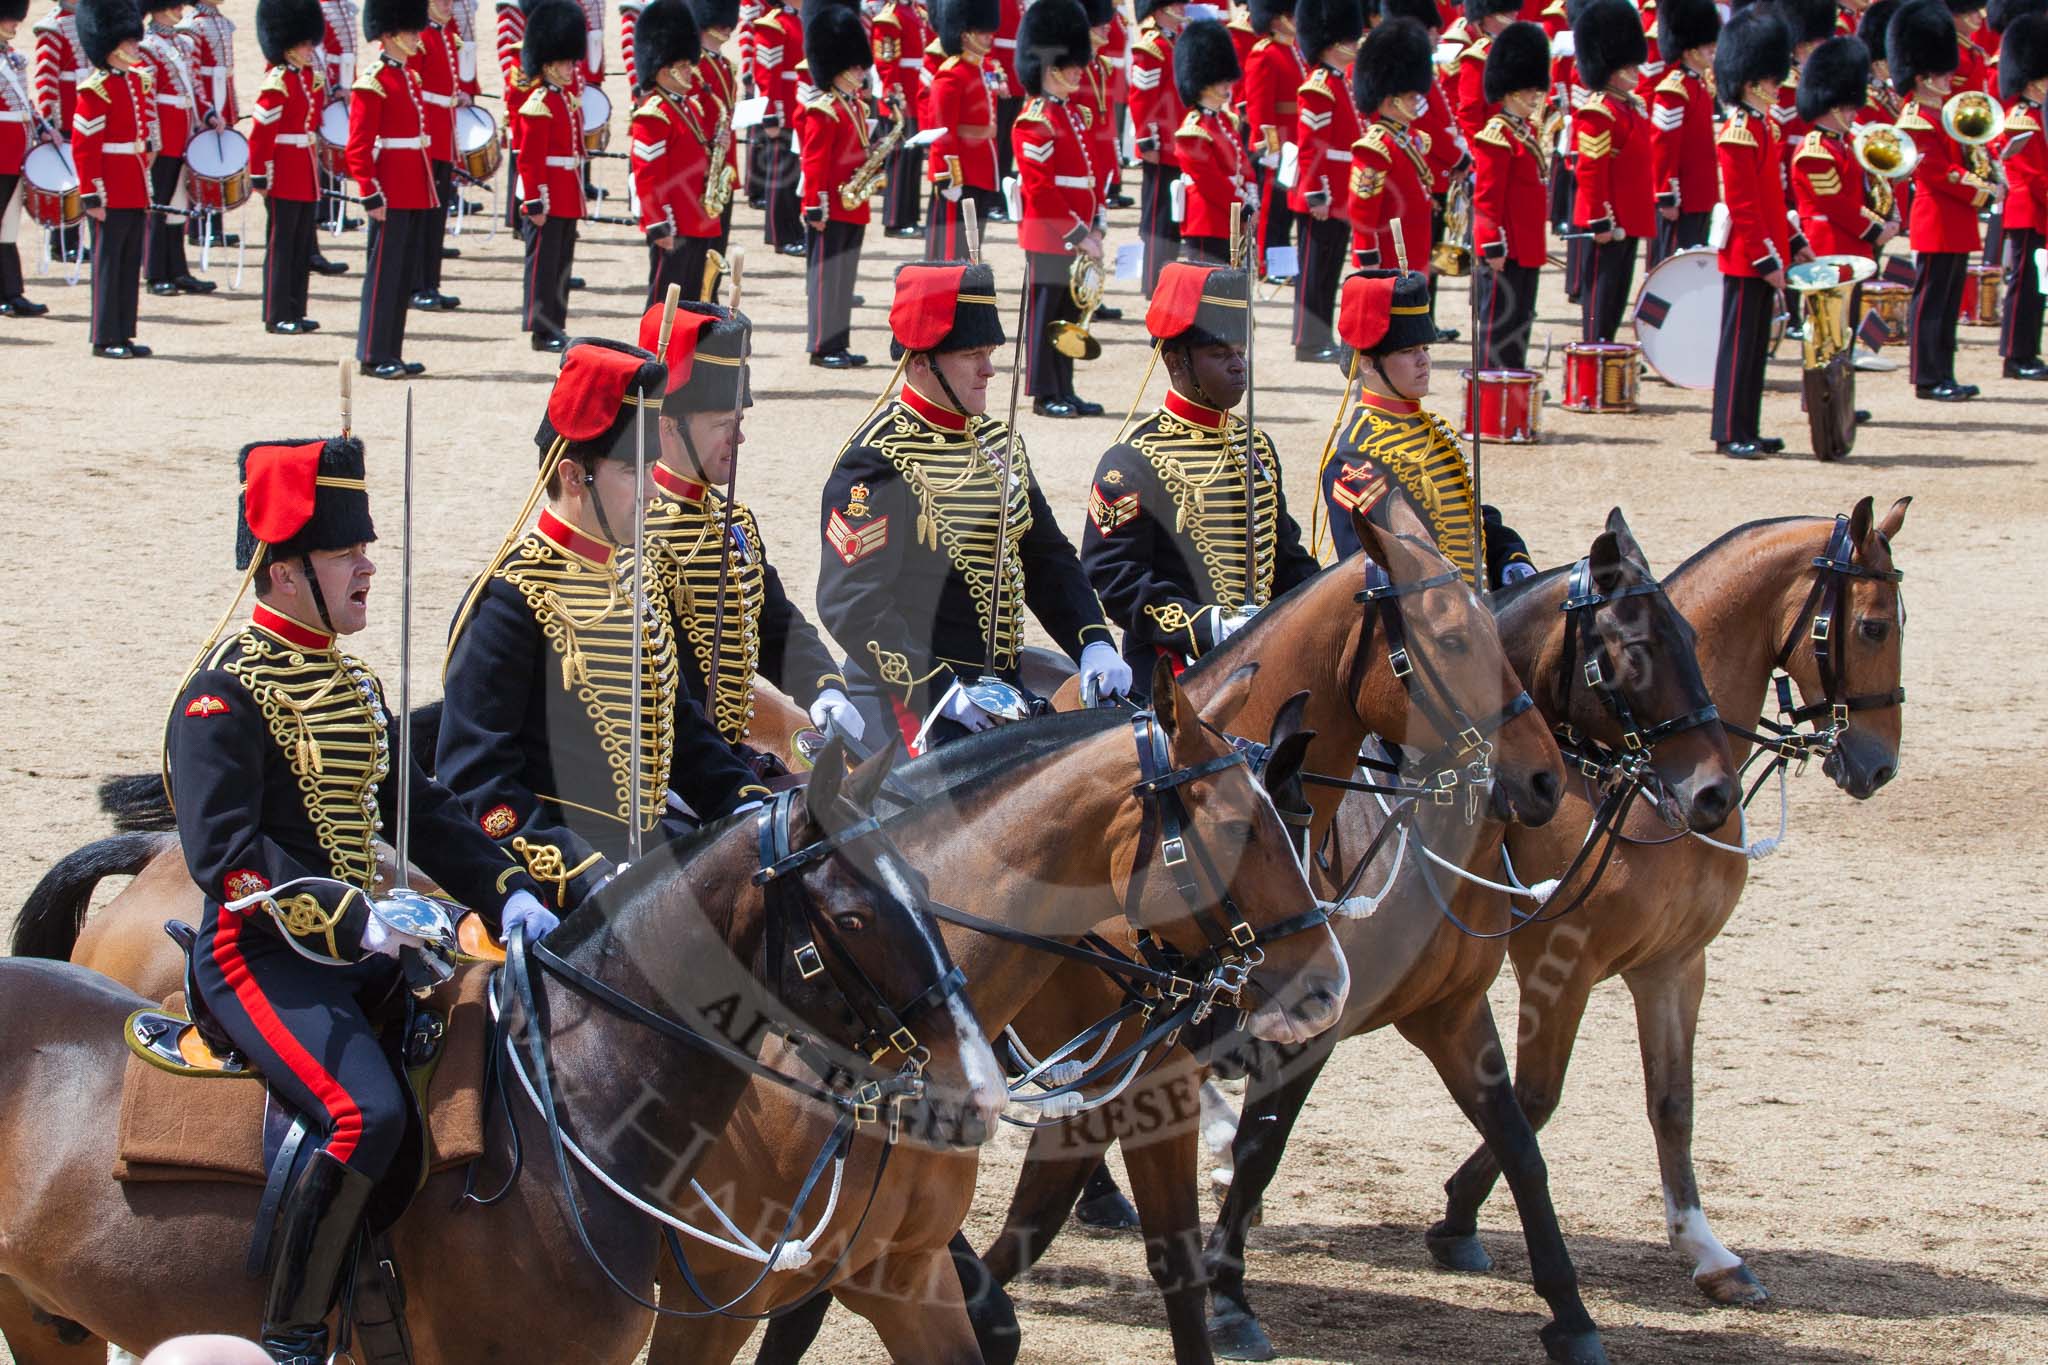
{"points": [[1546, 786], [1882, 775], [1715, 800]]}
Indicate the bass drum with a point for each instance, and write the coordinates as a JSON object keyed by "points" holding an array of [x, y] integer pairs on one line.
{"points": [[1677, 317]]}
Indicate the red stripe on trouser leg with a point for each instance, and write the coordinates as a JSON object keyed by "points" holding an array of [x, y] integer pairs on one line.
{"points": [[341, 1107]]}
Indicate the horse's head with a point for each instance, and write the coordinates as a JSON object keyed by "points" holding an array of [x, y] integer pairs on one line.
{"points": [[863, 963], [1629, 678], [1227, 894], [1843, 626], [1445, 690]]}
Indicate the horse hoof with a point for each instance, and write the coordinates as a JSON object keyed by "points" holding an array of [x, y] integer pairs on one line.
{"points": [[1236, 1335], [1574, 1348], [1109, 1212], [1733, 1287], [1460, 1251]]}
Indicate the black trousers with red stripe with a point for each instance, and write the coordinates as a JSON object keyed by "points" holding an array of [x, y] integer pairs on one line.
{"points": [[1323, 247], [1507, 308], [831, 262], [427, 272], [388, 267], [1047, 373], [1156, 227], [1931, 326], [783, 221], [550, 252], [900, 192], [1747, 306], [305, 1027], [1610, 279], [163, 252], [290, 235], [2019, 339], [944, 231], [116, 275], [682, 267]]}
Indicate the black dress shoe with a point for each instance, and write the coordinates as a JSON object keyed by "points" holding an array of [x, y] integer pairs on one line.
{"points": [[756, 202], [548, 343], [838, 360], [308, 325], [792, 249], [1054, 407], [451, 253], [1107, 314], [860, 300], [1770, 445], [118, 351], [1739, 450], [1969, 390], [389, 369], [2025, 369], [472, 206], [905, 232], [429, 298], [162, 287], [1942, 393], [288, 327], [192, 284], [1444, 334], [1315, 354], [1862, 416], [351, 224], [1083, 406], [1122, 201], [323, 266], [413, 367], [576, 282], [19, 307], [1283, 281]]}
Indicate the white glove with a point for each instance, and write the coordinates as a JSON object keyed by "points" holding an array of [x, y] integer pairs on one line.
{"points": [[1516, 571], [952, 193], [834, 707], [1224, 624], [959, 708], [522, 907], [1104, 672]]}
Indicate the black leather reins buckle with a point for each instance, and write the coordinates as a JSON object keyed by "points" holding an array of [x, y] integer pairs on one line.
{"points": [[809, 964], [1593, 674], [1838, 715], [903, 1040], [1446, 789], [1242, 935], [1632, 740], [1397, 660], [1471, 738], [1820, 628], [1173, 852]]}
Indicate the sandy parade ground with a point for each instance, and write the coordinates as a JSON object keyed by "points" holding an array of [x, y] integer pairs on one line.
{"points": [[1871, 1105]]}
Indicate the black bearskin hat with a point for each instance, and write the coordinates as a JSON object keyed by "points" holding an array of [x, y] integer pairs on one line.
{"points": [[1607, 37], [104, 25], [1394, 60], [1836, 76], [835, 42], [711, 14], [2023, 56], [1101, 13], [384, 17], [955, 19], [1320, 25], [555, 32], [1683, 25], [1052, 33], [1262, 13], [1203, 57], [1921, 41], [1755, 46], [666, 35], [2003, 14], [1145, 8], [299, 496], [1423, 12], [1808, 21], [1875, 26], [1478, 11], [17, 10], [282, 25], [1518, 60], [1964, 6]]}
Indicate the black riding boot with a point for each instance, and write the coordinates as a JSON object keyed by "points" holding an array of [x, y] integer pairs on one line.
{"points": [[314, 1247]]}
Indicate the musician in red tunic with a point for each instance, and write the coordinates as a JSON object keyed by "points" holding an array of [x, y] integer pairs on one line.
{"points": [[1215, 172], [1390, 175], [833, 127], [1326, 124], [1156, 114], [1616, 203], [778, 38], [1683, 170], [1973, 66], [899, 37], [439, 67], [1810, 22], [671, 151], [21, 127], [182, 111], [1484, 21], [1061, 192], [1843, 209], [387, 158], [547, 129], [1508, 195], [2023, 82], [1751, 61], [1950, 187], [961, 164], [716, 92], [1273, 74], [113, 138], [282, 159]]}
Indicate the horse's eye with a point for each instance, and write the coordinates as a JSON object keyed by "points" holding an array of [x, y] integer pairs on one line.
{"points": [[1874, 630], [1237, 833], [850, 922], [1457, 642]]}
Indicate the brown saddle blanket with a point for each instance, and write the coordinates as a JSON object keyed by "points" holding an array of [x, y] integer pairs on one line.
{"points": [[181, 1126]]}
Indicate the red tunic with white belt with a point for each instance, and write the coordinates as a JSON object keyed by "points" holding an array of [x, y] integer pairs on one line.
{"points": [[60, 66], [671, 163], [440, 72], [17, 112], [113, 134], [1272, 88], [1059, 182], [1611, 134], [1325, 127], [2026, 169], [1682, 142], [1759, 239], [285, 132], [1830, 191], [1210, 149], [834, 131], [1508, 195], [960, 102], [1390, 182], [212, 38], [179, 111], [387, 138], [1156, 110], [547, 132]]}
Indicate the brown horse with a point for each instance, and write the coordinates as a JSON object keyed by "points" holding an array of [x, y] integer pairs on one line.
{"points": [[1754, 596], [1077, 816], [685, 936], [1423, 958], [1321, 638]]}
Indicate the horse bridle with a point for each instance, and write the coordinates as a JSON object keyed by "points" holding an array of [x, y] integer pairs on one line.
{"points": [[1835, 569]]}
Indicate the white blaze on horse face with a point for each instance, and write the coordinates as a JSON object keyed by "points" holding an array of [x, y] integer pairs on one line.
{"points": [[1690, 1236]]}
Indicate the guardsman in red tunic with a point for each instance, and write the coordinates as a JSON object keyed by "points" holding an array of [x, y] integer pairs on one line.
{"points": [[387, 158], [1060, 190], [1097, 107], [1114, 48], [833, 125], [2023, 81], [1002, 69], [439, 68], [181, 113], [548, 131], [1215, 173], [211, 37], [60, 66], [1272, 99], [1507, 193], [672, 150], [1950, 188], [1390, 175], [1156, 113], [1447, 156], [1325, 126], [715, 92], [1484, 20], [283, 165], [962, 162], [778, 51], [20, 129], [899, 37], [1684, 172], [1843, 210], [113, 137], [1751, 61], [1611, 133], [1873, 27], [1973, 68]]}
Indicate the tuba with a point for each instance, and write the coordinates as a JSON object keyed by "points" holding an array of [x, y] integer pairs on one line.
{"points": [[1452, 255], [1975, 120], [1085, 284], [1828, 378], [1888, 153], [861, 187]]}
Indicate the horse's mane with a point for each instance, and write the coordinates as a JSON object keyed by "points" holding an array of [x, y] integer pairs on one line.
{"points": [[1274, 610], [657, 864], [1700, 555], [967, 765]]}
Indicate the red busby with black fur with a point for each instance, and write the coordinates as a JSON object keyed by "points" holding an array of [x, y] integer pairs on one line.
{"points": [[282, 25], [104, 25], [1203, 56], [1383, 311], [382, 18], [1921, 41], [944, 306], [1320, 25], [1836, 76], [835, 42], [953, 20], [1053, 33], [666, 35], [555, 32], [301, 496], [1519, 59], [1755, 46], [600, 388], [1607, 37], [1683, 25], [1395, 59], [2023, 56], [1200, 305]]}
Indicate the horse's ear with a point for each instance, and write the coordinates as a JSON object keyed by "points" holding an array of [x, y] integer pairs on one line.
{"points": [[1369, 538], [1231, 697], [1287, 719], [1894, 519], [867, 779], [1859, 522], [1605, 560], [827, 773], [1282, 777], [1625, 539]]}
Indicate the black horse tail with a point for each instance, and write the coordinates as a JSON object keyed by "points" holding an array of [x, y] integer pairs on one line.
{"points": [[54, 912], [140, 805]]}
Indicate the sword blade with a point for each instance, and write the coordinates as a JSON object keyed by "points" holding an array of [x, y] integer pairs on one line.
{"points": [[636, 759], [995, 601], [403, 758]]}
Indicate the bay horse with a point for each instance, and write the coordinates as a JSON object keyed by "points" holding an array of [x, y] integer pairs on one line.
{"points": [[1817, 598], [1086, 842], [86, 1261], [1358, 675]]}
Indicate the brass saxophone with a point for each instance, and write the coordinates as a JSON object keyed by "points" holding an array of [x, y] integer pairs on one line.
{"points": [[861, 187], [718, 180]]}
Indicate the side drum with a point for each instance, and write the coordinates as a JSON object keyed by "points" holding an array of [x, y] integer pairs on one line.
{"points": [[1600, 376], [1982, 295], [217, 170], [1509, 404], [1891, 302], [334, 139], [50, 186], [597, 120], [476, 145]]}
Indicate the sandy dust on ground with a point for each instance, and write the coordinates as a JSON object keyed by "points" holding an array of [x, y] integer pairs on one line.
{"points": [[1871, 1109]]}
